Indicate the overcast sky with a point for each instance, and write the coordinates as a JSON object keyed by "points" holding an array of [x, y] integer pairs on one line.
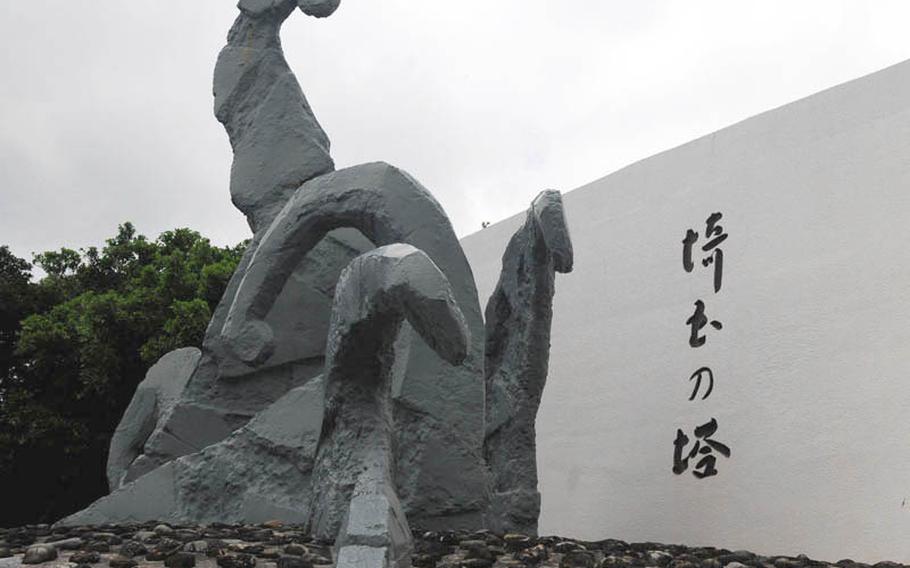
{"points": [[106, 110]]}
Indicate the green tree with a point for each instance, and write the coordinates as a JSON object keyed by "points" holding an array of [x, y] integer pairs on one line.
{"points": [[73, 347], [16, 301]]}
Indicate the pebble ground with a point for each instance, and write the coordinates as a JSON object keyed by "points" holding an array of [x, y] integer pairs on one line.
{"points": [[274, 545]]}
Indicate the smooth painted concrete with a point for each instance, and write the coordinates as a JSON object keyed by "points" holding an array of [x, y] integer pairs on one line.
{"points": [[812, 366]]}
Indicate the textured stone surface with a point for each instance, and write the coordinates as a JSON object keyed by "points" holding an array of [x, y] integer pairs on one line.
{"points": [[118, 561], [375, 519], [278, 143], [149, 409], [224, 392], [259, 473], [518, 318], [38, 553], [440, 469], [180, 560], [356, 556], [353, 491], [319, 8]]}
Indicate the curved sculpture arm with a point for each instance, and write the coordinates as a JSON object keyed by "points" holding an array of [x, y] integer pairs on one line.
{"points": [[394, 283], [550, 218], [380, 201], [353, 476]]}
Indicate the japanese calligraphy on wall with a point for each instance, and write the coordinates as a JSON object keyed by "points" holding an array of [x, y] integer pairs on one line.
{"points": [[704, 450], [753, 393]]}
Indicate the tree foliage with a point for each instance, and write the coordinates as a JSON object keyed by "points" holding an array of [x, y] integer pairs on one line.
{"points": [[73, 347]]}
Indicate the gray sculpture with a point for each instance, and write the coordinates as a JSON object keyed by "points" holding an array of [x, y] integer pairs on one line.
{"points": [[518, 318], [278, 145], [266, 115], [335, 388], [353, 484], [149, 409], [334, 473], [261, 472], [438, 406]]}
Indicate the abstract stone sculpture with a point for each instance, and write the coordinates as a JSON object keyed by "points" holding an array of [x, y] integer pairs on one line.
{"points": [[278, 145], [438, 406], [518, 318], [441, 434], [341, 385], [353, 483]]}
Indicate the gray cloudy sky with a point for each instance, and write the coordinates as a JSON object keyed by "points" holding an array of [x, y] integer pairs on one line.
{"points": [[105, 105]]}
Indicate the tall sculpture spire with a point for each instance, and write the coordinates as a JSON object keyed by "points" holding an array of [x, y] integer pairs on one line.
{"points": [[517, 355], [278, 143]]}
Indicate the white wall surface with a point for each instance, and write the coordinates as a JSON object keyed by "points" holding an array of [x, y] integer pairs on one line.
{"points": [[812, 367]]}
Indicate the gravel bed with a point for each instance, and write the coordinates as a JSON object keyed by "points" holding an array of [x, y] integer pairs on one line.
{"points": [[275, 545]]}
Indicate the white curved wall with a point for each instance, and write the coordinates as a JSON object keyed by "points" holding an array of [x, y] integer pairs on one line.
{"points": [[812, 366]]}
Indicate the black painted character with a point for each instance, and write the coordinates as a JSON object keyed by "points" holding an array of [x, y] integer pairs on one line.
{"points": [[696, 322], [704, 446], [716, 235], [697, 377]]}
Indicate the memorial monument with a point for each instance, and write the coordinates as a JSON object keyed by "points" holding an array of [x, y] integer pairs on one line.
{"points": [[347, 381]]}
